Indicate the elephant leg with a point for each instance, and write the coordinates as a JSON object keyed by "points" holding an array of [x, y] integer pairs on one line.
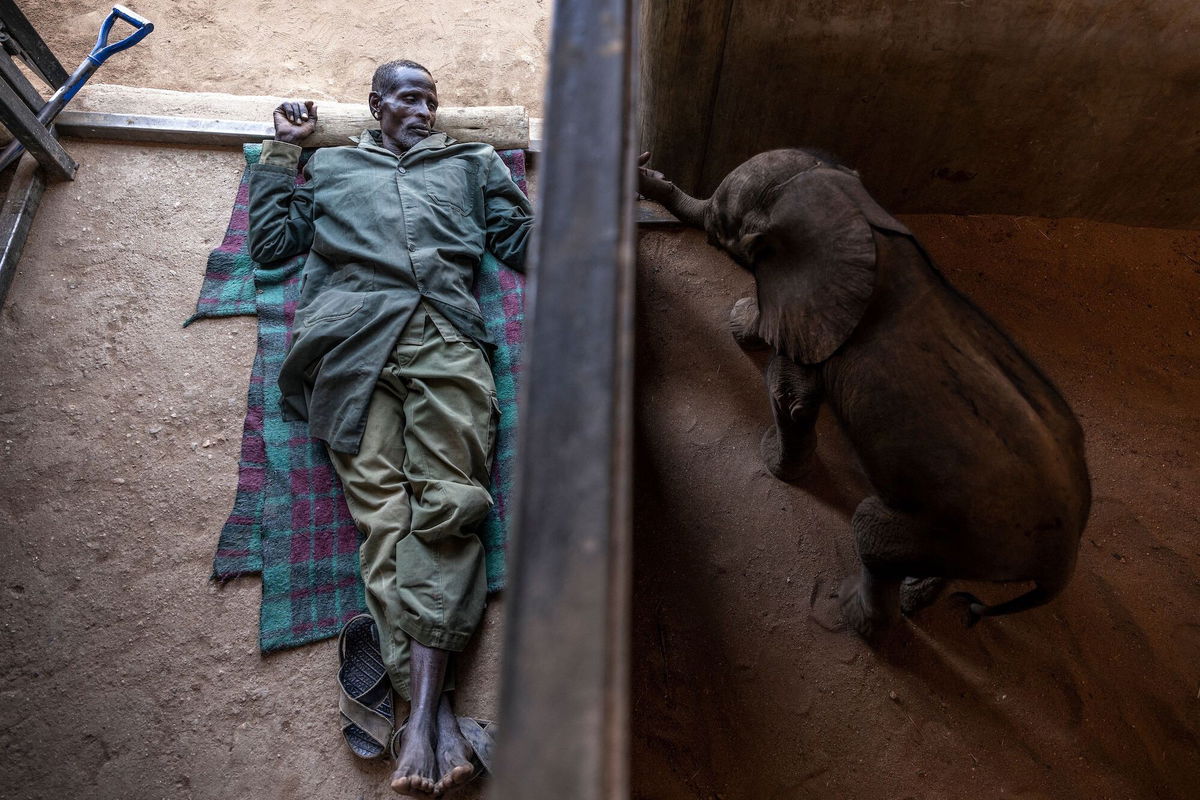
{"points": [[918, 593], [889, 543], [743, 323], [788, 446], [870, 603]]}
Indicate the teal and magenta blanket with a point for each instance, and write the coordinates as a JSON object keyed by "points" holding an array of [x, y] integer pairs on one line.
{"points": [[289, 520]]}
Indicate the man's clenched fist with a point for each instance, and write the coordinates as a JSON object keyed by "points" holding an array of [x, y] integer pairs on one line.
{"points": [[294, 120]]}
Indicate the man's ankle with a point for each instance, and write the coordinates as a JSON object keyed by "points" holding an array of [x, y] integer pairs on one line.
{"points": [[425, 719]]}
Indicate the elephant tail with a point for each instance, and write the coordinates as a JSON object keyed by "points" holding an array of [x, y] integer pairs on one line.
{"points": [[975, 609]]}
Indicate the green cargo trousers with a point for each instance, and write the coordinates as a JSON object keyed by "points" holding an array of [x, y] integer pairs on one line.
{"points": [[418, 489]]}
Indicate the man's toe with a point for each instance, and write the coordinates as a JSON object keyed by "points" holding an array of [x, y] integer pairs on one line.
{"points": [[455, 777]]}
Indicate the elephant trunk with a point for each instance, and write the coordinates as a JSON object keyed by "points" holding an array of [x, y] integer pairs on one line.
{"points": [[687, 209]]}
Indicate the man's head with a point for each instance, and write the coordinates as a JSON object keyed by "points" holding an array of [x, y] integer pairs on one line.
{"points": [[404, 100]]}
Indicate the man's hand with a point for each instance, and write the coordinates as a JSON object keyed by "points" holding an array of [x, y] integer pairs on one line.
{"points": [[652, 184], [295, 120]]}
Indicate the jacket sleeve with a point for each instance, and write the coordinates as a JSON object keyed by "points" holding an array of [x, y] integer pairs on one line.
{"points": [[508, 216], [280, 212]]}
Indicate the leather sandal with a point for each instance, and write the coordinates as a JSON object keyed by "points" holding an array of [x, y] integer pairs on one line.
{"points": [[366, 691]]}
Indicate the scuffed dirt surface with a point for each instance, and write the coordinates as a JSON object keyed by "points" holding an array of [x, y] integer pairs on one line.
{"points": [[482, 54], [740, 694], [126, 673]]}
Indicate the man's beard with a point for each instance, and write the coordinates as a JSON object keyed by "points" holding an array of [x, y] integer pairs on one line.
{"points": [[410, 137]]}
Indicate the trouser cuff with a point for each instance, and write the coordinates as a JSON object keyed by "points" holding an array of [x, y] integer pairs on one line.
{"points": [[430, 636]]}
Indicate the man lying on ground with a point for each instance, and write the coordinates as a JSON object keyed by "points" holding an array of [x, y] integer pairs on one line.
{"points": [[389, 365]]}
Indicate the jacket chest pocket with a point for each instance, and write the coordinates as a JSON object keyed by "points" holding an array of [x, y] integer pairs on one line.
{"points": [[451, 185]]}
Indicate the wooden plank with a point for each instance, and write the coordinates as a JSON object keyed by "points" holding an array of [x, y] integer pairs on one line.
{"points": [[564, 691], [680, 69], [39, 56], [36, 137], [503, 127], [181, 130], [16, 217]]}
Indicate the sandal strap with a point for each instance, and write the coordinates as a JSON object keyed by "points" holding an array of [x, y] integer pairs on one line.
{"points": [[373, 723], [478, 734], [394, 746]]}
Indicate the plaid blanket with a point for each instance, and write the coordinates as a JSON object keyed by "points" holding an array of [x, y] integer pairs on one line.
{"points": [[289, 520]]}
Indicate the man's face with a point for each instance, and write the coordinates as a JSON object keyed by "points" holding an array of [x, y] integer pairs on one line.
{"points": [[407, 110]]}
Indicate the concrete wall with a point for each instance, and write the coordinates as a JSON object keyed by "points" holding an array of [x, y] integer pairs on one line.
{"points": [[1083, 109]]}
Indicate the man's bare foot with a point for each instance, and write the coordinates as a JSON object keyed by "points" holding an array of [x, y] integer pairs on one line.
{"points": [[416, 765], [453, 751]]}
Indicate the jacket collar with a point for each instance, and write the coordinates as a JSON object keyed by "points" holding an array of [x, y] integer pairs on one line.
{"points": [[372, 139]]}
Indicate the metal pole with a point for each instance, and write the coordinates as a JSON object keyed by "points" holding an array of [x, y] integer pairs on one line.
{"points": [[565, 683]]}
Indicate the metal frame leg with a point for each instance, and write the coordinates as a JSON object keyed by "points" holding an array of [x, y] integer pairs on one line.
{"points": [[16, 217]]}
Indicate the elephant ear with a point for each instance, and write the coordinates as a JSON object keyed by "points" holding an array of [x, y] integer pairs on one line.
{"points": [[814, 267]]}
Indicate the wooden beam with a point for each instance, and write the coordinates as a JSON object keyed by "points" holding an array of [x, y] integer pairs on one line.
{"points": [[503, 127], [182, 130], [565, 680], [16, 216]]}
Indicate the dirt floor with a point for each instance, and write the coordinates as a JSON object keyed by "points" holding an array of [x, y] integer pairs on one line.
{"points": [[740, 694], [483, 54], [127, 674]]}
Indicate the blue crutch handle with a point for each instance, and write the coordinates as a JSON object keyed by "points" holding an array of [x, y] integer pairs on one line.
{"points": [[103, 49]]}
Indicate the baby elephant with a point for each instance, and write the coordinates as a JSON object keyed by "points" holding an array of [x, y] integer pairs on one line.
{"points": [[976, 460]]}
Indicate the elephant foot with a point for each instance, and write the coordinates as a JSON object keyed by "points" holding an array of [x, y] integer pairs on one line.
{"points": [[917, 593], [970, 606], [743, 323], [787, 467], [871, 623]]}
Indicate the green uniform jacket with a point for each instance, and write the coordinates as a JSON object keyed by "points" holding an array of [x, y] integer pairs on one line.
{"points": [[383, 233]]}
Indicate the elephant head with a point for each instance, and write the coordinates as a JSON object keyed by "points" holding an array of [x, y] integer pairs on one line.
{"points": [[803, 226]]}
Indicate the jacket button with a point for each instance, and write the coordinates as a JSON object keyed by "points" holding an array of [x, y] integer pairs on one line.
{"points": [[403, 171], [412, 248]]}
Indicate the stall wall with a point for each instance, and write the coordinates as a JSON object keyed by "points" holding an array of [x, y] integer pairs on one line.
{"points": [[1085, 109]]}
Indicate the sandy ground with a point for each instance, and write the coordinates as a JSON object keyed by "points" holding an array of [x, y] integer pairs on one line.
{"points": [[128, 675], [483, 54]]}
